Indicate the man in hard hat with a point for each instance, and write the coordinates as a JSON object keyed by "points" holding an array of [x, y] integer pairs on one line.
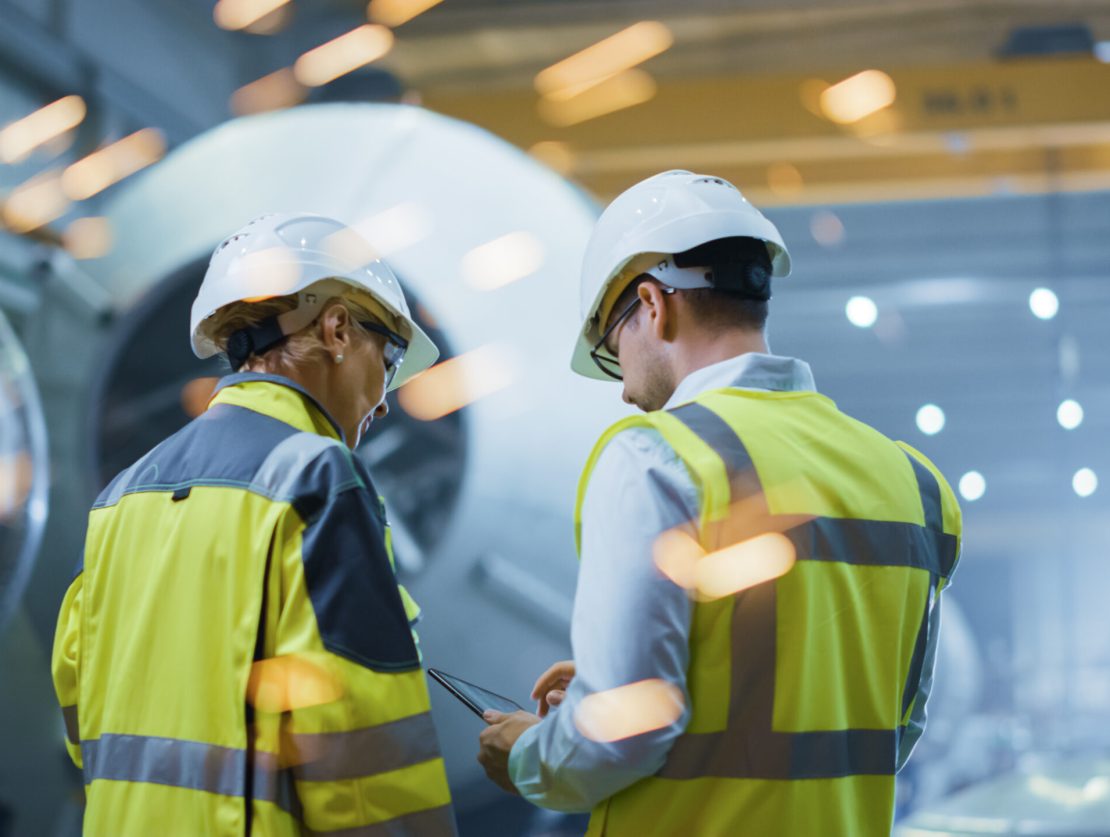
{"points": [[758, 599], [235, 655]]}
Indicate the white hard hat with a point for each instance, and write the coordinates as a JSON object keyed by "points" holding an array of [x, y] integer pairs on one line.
{"points": [[666, 214], [316, 258]]}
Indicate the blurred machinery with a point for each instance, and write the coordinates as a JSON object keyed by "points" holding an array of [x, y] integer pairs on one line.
{"points": [[1047, 798], [24, 471]]}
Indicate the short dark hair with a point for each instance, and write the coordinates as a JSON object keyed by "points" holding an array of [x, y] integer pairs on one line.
{"points": [[720, 310], [717, 309]]}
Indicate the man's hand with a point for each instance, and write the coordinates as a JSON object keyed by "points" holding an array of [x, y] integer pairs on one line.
{"points": [[497, 740], [551, 687]]}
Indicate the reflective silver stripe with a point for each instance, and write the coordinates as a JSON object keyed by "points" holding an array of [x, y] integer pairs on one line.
{"points": [[783, 755], [715, 432], [434, 822], [852, 541], [272, 783], [749, 748], [929, 489], [875, 543], [187, 764], [69, 715], [208, 767], [330, 756], [165, 761]]}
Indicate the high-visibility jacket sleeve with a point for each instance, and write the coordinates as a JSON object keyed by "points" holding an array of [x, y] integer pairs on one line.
{"points": [[65, 664], [340, 693]]}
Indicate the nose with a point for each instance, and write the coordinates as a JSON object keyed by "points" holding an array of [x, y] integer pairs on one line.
{"points": [[382, 410], [625, 397]]}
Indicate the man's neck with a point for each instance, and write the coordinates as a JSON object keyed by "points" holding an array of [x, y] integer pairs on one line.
{"points": [[691, 357]]}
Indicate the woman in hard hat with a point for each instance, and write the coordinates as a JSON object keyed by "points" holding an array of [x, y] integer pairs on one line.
{"points": [[235, 655]]}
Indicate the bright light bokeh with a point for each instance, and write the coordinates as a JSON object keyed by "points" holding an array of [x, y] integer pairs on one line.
{"points": [[930, 419], [16, 478], [196, 394], [605, 59], [113, 163], [37, 202], [858, 97], [274, 271], [343, 55], [89, 238], [502, 261], [1069, 414], [973, 485], [1044, 304], [1085, 482], [281, 684], [827, 229], [623, 90], [395, 12], [280, 89], [19, 139], [629, 710], [239, 14], [726, 571], [396, 228], [557, 155], [785, 179], [456, 383], [862, 312]]}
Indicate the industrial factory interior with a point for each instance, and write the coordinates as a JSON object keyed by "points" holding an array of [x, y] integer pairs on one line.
{"points": [[939, 171]]}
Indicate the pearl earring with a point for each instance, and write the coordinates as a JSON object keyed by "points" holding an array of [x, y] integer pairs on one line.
{"points": [[339, 358]]}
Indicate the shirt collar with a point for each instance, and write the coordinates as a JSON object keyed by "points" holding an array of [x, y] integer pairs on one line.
{"points": [[312, 410], [752, 370]]}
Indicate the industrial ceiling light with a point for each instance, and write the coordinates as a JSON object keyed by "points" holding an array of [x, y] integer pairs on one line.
{"points": [[1044, 304], [1069, 414], [930, 419], [862, 311]]}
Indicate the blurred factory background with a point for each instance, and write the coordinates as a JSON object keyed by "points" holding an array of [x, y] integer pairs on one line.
{"points": [[939, 168]]}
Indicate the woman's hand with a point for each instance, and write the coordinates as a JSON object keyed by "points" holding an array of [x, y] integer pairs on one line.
{"points": [[551, 687]]}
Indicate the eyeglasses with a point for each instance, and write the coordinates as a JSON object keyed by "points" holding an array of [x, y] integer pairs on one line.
{"points": [[394, 351], [608, 362]]}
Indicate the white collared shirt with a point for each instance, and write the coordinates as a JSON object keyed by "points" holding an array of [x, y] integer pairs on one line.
{"points": [[630, 622]]}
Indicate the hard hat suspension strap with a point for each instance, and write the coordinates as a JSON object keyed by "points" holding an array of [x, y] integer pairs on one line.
{"points": [[736, 265], [253, 340]]}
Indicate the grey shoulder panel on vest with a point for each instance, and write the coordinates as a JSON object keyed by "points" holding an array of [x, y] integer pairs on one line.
{"points": [[235, 447]]}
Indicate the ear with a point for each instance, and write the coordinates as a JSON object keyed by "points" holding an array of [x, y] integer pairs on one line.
{"points": [[335, 328], [657, 316]]}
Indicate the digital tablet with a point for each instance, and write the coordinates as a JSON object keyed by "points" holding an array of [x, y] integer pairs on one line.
{"points": [[475, 697]]}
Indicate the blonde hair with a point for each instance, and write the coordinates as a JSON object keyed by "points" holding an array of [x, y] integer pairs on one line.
{"points": [[302, 348]]}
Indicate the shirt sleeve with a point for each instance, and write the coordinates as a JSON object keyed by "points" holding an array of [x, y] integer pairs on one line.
{"points": [[639, 489]]}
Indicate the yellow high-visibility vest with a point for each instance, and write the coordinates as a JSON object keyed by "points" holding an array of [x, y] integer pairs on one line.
{"points": [[235, 656], [800, 687]]}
